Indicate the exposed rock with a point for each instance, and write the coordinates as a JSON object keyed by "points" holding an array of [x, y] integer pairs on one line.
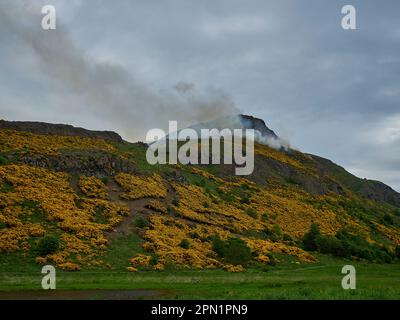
{"points": [[81, 163], [59, 129], [250, 122], [240, 121]]}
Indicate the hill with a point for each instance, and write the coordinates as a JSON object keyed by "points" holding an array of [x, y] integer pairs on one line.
{"points": [[82, 200]]}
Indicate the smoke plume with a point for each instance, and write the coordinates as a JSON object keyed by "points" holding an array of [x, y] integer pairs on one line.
{"points": [[110, 91]]}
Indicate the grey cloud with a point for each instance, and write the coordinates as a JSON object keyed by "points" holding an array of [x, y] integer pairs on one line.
{"points": [[109, 90]]}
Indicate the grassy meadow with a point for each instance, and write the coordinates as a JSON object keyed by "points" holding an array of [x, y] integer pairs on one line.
{"points": [[287, 280]]}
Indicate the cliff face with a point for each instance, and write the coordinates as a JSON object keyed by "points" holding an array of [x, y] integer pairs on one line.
{"points": [[240, 121], [59, 129], [250, 122]]}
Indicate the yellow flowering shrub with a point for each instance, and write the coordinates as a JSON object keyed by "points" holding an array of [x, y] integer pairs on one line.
{"points": [[137, 187], [41, 260], [132, 269], [81, 231], [48, 144], [69, 266], [234, 269], [141, 260], [294, 215], [158, 267], [192, 202], [262, 258], [157, 206], [93, 187], [272, 153], [206, 174], [164, 238], [262, 247]]}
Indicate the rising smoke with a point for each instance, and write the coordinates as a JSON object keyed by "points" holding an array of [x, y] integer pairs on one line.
{"points": [[111, 92]]}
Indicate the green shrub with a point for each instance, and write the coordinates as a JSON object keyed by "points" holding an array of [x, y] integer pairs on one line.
{"points": [[6, 187], [105, 180], [47, 245], [3, 161], [346, 245], [252, 213], [194, 235], [236, 251], [245, 199], [228, 198], [332, 245], [185, 244], [218, 246], [244, 186], [397, 252], [272, 260], [154, 260], [277, 230], [274, 234], [170, 210], [310, 238], [287, 238], [387, 219], [141, 222]]}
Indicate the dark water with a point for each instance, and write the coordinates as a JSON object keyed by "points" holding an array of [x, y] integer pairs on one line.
{"points": [[80, 295]]}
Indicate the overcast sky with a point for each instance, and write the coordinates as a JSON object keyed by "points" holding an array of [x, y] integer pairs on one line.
{"points": [[115, 65]]}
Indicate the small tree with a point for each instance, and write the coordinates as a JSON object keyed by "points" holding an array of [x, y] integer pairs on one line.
{"points": [[218, 246], [397, 251], [252, 213], [185, 244], [310, 238], [237, 252], [47, 245]]}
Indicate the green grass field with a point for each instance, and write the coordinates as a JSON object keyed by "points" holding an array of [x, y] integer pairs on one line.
{"points": [[284, 281]]}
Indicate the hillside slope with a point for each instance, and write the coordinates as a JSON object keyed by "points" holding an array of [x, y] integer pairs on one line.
{"points": [[99, 198]]}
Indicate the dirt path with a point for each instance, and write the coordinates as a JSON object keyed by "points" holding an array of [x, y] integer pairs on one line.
{"points": [[138, 208]]}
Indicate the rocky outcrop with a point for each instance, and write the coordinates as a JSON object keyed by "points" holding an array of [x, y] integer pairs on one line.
{"points": [[240, 121], [250, 122], [59, 129], [80, 162]]}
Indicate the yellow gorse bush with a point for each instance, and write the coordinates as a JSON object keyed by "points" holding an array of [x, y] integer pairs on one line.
{"points": [[137, 187], [234, 269], [93, 187], [164, 238], [140, 260], [157, 206], [51, 192], [48, 144]]}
